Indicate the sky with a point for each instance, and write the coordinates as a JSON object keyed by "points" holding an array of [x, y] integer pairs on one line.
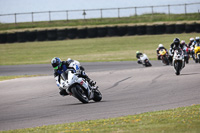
{"points": [[21, 6]]}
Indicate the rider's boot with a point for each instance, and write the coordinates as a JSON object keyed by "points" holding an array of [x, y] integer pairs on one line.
{"points": [[91, 82], [139, 62], [63, 92], [94, 87]]}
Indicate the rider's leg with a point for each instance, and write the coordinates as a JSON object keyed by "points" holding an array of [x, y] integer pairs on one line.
{"points": [[90, 81]]}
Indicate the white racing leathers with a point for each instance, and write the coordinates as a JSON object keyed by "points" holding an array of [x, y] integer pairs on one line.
{"points": [[75, 65]]}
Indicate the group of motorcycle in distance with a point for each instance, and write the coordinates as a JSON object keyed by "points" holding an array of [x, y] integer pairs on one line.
{"points": [[84, 91], [179, 57]]}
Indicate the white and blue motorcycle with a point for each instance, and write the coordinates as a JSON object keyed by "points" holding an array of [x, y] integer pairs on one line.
{"points": [[78, 86]]}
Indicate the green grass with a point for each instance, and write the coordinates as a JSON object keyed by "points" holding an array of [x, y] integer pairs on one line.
{"points": [[146, 18], [184, 119], [86, 50]]}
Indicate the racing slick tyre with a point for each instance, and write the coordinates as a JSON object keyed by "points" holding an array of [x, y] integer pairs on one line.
{"points": [[199, 57], [166, 60], [147, 63], [97, 95], [196, 60], [79, 93], [177, 68]]}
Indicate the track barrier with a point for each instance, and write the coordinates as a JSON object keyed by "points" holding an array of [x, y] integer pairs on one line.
{"points": [[61, 34], [92, 32], [110, 31], [102, 31], [72, 33], [42, 35]]}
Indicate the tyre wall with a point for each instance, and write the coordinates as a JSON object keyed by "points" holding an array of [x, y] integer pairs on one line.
{"points": [[3, 37], [52, 34], [110, 31], [102, 31], [22, 36], [42, 35], [160, 29], [72, 33], [82, 33], [170, 29], [197, 28], [150, 30], [11, 37], [122, 30], [31, 36], [190, 27], [131, 30], [62, 34], [179, 28], [92, 32], [141, 30]]}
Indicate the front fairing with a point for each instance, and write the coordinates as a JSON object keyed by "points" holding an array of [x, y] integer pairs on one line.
{"points": [[143, 57]]}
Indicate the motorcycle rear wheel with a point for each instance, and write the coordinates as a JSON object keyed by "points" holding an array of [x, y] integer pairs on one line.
{"points": [[79, 93]]}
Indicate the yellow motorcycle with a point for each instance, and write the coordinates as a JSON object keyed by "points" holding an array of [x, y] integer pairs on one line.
{"points": [[164, 56], [197, 54]]}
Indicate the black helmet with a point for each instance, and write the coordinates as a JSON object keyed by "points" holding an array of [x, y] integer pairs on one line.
{"points": [[176, 41], [56, 62]]}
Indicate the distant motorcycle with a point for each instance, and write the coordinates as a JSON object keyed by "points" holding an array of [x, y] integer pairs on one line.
{"points": [[186, 52], [178, 61], [190, 52], [197, 54], [79, 87], [145, 60], [164, 56]]}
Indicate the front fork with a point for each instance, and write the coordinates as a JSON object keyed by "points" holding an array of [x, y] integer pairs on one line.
{"points": [[87, 87]]}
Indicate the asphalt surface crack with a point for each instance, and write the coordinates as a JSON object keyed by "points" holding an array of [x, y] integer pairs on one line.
{"points": [[117, 83], [157, 77]]}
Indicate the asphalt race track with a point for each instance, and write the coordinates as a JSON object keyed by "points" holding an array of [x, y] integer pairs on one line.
{"points": [[127, 89]]}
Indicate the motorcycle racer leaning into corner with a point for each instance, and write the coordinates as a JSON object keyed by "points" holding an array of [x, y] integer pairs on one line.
{"points": [[138, 54], [191, 49], [197, 42], [61, 66], [160, 46], [174, 46]]}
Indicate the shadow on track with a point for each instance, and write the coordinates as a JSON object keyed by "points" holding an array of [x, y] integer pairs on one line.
{"points": [[190, 74]]}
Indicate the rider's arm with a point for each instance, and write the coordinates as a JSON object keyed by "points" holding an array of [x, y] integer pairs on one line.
{"points": [[157, 50], [57, 78], [172, 46]]}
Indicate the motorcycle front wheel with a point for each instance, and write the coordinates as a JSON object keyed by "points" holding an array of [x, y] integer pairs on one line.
{"points": [[177, 68], [165, 60], [79, 93], [97, 95], [199, 57]]}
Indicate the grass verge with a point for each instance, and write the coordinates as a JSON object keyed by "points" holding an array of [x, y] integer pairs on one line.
{"points": [[184, 119], [86, 50]]}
